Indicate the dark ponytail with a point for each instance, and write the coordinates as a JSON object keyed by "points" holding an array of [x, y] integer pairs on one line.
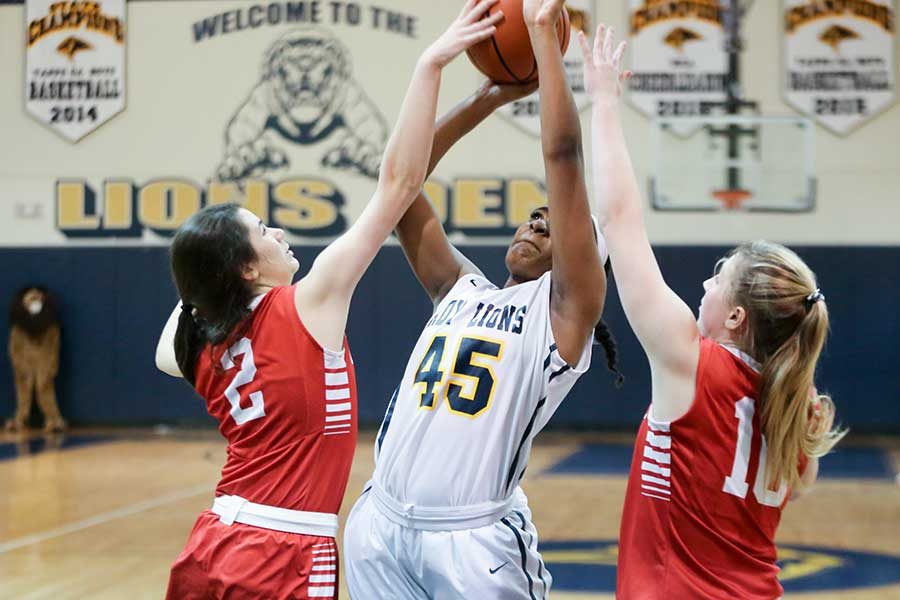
{"points": [[189, 341], [208, 256]]}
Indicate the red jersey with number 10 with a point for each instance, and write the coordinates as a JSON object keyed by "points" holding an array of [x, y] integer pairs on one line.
{"points": [[698, 520], [287, 408]]}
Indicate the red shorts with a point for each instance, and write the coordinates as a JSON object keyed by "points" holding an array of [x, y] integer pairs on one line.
{"points": [[243, 561]]}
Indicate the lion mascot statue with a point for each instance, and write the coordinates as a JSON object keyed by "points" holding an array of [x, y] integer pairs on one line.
{"points": [[306, 94], [34, 352]]}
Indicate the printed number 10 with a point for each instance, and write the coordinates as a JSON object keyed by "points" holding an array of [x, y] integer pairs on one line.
{"points": [[736, 483]]}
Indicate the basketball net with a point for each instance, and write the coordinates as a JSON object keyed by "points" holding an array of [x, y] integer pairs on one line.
{"points": [[732, 199]]}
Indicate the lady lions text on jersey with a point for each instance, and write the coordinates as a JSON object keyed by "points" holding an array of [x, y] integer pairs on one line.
{"points": [[484, 378]]}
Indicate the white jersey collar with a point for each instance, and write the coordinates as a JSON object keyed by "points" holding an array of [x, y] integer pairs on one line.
{"points": [[746, 358], [255, 302]]}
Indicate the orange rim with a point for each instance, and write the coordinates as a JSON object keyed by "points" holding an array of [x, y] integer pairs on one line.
{"points": [[731, 199]]}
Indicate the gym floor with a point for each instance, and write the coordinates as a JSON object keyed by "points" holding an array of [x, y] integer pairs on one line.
{"points": [[103, 513]]}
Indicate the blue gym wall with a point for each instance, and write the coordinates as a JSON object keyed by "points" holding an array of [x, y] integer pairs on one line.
{"points": [[114, 303], [185, 91]]}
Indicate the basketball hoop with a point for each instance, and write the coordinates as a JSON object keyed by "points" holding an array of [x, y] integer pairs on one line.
{"points": [[731, 199]]}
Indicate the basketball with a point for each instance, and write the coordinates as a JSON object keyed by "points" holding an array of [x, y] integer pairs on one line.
{"points": [[507, 56]]}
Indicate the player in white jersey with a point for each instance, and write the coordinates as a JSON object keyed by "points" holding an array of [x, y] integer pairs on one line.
{"points": [[443, 516]]}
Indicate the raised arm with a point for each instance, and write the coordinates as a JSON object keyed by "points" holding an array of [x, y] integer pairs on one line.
{"points": [[436, 263], [323, 296], [579, 283], [663, 323]]}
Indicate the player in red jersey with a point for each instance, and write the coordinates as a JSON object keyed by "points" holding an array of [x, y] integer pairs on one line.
{"points": [[734, 423], [273, 366]]}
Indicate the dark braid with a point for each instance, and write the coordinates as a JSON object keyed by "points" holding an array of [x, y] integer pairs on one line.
{"points": [[604, 336]]}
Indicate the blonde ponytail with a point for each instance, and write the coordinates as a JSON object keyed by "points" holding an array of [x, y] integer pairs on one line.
{"points": [[787, 328]]}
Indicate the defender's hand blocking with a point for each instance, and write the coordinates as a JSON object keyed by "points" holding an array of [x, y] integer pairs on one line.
{"points": [[603, 75], [467, 30], [542, 12]]}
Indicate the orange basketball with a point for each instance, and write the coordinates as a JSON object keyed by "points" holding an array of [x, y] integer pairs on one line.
{"points": [[507, 56]]}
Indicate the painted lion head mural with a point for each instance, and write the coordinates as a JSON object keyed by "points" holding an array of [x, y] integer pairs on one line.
{"points": [[307, 69]]}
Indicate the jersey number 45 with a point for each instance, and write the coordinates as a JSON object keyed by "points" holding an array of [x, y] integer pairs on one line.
{"points": [[473, 364]]}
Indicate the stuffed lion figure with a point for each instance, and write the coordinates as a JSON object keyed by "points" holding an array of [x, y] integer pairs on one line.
{"points": [[34, 352]]}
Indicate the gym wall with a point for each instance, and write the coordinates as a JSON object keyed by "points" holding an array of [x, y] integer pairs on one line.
{"points": [[92, 220]]}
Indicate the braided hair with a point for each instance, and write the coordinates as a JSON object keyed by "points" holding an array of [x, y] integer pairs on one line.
{"points": [[603, 335]]}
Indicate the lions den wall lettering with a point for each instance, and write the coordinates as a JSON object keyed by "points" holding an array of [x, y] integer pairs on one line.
{"points": [[310, 208]]}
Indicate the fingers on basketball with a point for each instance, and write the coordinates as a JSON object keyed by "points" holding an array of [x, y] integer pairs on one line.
{"points": [[480, 35], [472, 14], [491, 20], [478, 25], [466, 8]]}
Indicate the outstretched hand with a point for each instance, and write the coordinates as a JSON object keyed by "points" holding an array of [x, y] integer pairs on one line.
{"points": [[542, 12], [603, 75], [468, 29]]}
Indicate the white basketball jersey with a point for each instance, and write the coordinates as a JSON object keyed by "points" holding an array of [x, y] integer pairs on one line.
{"points": [[485, 377]]}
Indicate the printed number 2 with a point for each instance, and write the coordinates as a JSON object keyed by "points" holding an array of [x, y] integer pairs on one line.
{"points": [[736, 483], [464, 368], [244, 376]]}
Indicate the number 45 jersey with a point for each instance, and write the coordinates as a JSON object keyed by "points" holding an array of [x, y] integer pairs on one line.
{"points": [[484, 378]]}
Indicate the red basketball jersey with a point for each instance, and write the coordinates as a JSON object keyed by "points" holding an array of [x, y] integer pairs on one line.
{"points": [[287, 408], [698, 520]]}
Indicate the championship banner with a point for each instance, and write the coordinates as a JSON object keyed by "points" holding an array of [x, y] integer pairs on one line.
{"points": [[526, 113], [839, 60], [678, 58], [75, 63]]}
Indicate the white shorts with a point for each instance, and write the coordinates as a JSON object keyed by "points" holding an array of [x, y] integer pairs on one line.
{"points": [[500, 561]]}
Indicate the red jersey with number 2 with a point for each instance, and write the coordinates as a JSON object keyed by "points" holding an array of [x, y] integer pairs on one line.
{"points": [[287, 408], [698, 520]]}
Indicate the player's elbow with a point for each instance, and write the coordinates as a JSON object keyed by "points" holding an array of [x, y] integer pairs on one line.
{"points": [[592, 309], [800, 491], [171, 370], [401, 181], [166, 362], [564, 149], [621, 216]]}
